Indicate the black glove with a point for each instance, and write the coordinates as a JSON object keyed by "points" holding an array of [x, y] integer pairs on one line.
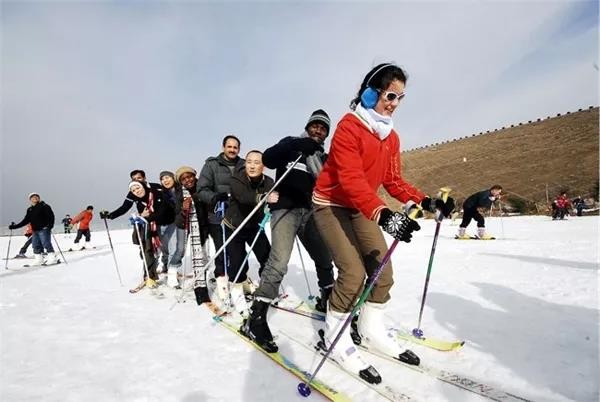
{"points": [[398, 224], [12, 226], [434, 204], [104, 214], [306, 145], [220, 197]]}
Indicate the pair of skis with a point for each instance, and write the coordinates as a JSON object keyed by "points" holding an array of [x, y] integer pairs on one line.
{"points": [[306, 310], [42, 264]]}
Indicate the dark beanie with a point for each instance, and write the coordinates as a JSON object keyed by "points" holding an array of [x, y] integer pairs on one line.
{"points": [[166, 173], [319, 116]]}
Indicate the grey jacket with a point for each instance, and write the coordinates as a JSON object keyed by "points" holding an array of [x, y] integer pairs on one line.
{"points": [[215, 178]]}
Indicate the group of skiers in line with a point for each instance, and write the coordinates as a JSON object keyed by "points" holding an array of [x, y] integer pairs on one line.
{"points": [[39, 222], [328, 201]]}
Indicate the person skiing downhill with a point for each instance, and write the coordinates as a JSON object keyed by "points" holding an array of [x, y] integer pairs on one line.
{"points": [[365, 154], [41, 217], [292, 216], [83, 218], [27, 233], [481, 199]]}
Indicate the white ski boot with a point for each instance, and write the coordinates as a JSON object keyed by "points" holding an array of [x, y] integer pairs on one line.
{"points": [[249, 286], [223, 289], [238, 299], [376, 335], [38, 259], [482, 235], [51, 259], [172, 280], [345, 352], [462, 234]]}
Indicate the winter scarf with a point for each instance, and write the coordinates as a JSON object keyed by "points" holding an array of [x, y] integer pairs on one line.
{"points": [[153, 226], [382, 125]]}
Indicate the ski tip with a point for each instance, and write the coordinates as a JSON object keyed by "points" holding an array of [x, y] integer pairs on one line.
{"points": [[304, 389]]}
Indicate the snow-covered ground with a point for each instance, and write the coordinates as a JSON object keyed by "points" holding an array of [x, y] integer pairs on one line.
{"points": [[527, 305]]}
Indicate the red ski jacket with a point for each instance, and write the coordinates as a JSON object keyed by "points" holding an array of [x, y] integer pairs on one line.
{"points": [[358, 163], [84, 218]]}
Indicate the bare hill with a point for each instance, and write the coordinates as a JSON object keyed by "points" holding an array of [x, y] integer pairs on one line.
{"points": [[527, 159]]}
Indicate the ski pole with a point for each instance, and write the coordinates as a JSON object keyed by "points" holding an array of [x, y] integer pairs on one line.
{"points": [[304, 387], [134, 221], [501, 220], [186, 224], [417, 332], [220, 212], [8, 250], [58, 246], [113, 251], [310, 294], [256, 208]]}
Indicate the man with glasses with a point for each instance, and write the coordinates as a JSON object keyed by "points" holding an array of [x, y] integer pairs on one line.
{"points": [[291, 216]]}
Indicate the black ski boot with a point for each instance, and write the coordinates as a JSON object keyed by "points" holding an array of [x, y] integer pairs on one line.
{"points": [[322, 300], [256, 328], [202, 295], [409, 357]]}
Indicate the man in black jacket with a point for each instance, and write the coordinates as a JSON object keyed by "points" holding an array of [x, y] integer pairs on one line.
{"points": [[482, 199], [41, 217], [247, 189], [214, 182], [291, 217]]}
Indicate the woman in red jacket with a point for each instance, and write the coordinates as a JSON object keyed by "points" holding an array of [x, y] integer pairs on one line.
{"points": [[365, 154]]}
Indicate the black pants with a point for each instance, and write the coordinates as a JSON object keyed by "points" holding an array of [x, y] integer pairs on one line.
{"points": [[26, 245], [559, 213], [83, 232], [148, 249], [236, 251], [472, 213]]}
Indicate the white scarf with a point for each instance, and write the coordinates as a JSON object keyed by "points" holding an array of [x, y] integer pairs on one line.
{"points": [[382, 125]]}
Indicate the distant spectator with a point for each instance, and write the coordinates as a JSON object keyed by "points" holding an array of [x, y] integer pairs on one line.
{"points": [[67, 223], [579, 204], [562, 205]]}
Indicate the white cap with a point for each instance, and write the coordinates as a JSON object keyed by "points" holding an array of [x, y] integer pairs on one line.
{"points": [[32, 194]]}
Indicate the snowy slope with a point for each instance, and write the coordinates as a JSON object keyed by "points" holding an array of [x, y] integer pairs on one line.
{"points": [[527, 305]]}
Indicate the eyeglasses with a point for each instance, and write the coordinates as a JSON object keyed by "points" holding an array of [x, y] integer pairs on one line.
{"points": [[392, 96]]}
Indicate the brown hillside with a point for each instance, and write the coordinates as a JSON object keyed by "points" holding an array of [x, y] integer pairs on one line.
{"points": [[555, 153]]}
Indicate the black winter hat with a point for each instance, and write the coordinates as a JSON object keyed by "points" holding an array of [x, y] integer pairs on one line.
{"points": [[319, 116], [166, 173]]}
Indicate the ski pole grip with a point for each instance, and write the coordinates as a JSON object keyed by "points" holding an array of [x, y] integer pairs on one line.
{"points": [[444, 193], [414, 212]]}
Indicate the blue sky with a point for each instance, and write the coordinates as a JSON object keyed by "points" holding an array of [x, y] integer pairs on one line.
{"points": [[91, 90]]}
